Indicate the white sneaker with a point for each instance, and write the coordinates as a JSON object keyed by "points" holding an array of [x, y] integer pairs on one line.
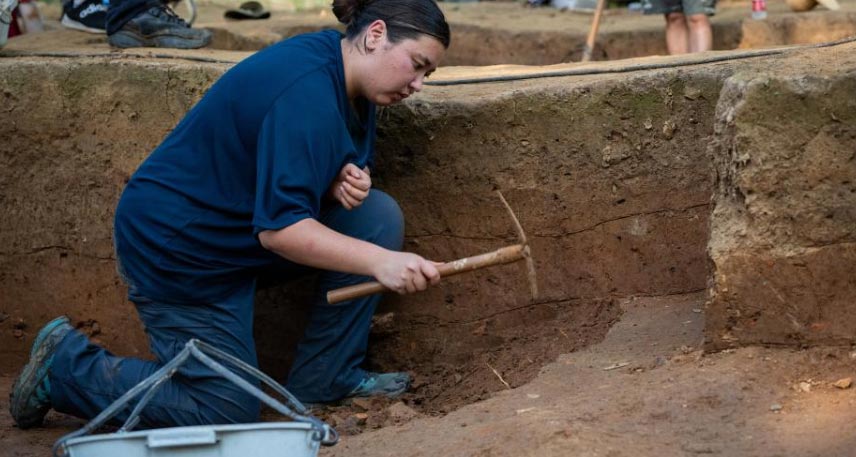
{"points": [[6, 7]]}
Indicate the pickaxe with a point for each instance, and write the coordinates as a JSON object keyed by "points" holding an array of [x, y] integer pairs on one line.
{"points": [[501, 256]]}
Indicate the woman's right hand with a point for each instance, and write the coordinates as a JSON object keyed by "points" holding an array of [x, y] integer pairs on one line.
{"points": [[405, 272]]}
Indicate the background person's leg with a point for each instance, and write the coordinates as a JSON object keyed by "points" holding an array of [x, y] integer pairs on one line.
{"points": [[85, 378], [701, 35], [327, 364], [698, 13], [677, 33], [676, 26]]}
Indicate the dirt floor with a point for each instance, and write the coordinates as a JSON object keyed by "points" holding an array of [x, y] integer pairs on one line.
{"points": [[645, 390]]}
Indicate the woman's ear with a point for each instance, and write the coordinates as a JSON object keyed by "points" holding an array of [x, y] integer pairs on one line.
{"points": [[375, 34]]}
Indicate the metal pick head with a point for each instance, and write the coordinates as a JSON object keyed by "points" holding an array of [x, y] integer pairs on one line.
{"points": [[527, 253]]}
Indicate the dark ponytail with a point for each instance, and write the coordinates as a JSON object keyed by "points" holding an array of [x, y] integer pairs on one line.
{"points": [[404, 18]]}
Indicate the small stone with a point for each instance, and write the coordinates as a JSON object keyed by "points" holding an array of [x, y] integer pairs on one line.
{"points": [[363, 403], [361, 418], [669, 128], [648, 124], [775, 407], [805, 387], [524, 143], [334, 420], [399, 412], [348, 426], [843, 383], [610, 156], [383, 323], [533, 396], [692, 93]]}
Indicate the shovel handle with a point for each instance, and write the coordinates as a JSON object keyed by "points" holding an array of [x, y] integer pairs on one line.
{"points": [[501, 256]]}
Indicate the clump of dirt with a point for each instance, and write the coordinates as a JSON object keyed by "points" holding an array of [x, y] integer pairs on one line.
{"points": [[360, 414]]}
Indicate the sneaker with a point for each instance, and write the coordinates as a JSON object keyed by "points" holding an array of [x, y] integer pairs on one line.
{"points": [[186, 6], [386, 384], [30, 400], [6, 19], [159, 27], [86, 15]]}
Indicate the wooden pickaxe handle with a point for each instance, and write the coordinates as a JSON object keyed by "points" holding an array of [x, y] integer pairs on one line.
{"points": [[507, 254]]}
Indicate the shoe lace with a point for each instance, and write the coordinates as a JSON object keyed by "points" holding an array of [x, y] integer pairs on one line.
{"points": [[367, 383], [167, 13]]}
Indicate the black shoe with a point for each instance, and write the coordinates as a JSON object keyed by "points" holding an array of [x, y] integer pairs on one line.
{"points": [[159, 27], [86, 15]]}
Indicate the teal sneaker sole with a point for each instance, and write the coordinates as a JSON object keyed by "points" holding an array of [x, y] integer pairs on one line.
{"points": [[25, 406], [46, 331]]}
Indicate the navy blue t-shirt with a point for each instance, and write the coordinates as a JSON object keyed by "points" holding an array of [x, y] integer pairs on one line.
{"points": [[258, 152]]}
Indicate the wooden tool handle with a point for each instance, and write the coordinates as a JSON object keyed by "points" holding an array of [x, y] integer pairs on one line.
{"points": [[595, 24], [507, 254]]}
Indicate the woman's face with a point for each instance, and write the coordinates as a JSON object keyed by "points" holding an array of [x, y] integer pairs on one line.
{"points": [[398, 69]]}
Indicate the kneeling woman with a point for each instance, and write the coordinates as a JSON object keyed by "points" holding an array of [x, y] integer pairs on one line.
{"points": [[270, 170]]}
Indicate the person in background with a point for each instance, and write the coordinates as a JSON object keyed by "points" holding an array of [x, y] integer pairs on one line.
{"points": [[269, 173], [688, 26], [134, 23]]}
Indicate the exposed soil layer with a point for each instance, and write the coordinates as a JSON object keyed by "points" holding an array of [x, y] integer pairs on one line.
{"points": [[783, 235]]}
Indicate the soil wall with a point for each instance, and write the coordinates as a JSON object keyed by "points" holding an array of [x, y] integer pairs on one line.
{"points": [[783, 234], [73, 132], [610, 180]]}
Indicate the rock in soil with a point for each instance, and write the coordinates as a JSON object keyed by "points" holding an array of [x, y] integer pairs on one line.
{"points": [[843, 383]]}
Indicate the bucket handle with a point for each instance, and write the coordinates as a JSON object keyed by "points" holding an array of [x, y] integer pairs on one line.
{"points": [[169, 438], [203, 352]]}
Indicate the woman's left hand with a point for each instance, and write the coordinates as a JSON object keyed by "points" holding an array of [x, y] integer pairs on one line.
{"points": [[352, 186]]}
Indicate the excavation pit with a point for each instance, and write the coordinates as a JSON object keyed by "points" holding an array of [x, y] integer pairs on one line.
{"points": [[616, 206]]}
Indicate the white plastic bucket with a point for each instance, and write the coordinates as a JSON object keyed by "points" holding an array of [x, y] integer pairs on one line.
{"points": [[300, 438], [270, 439]]}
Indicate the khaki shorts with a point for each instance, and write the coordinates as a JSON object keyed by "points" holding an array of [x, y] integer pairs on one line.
{"points": [[688, 7]]}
